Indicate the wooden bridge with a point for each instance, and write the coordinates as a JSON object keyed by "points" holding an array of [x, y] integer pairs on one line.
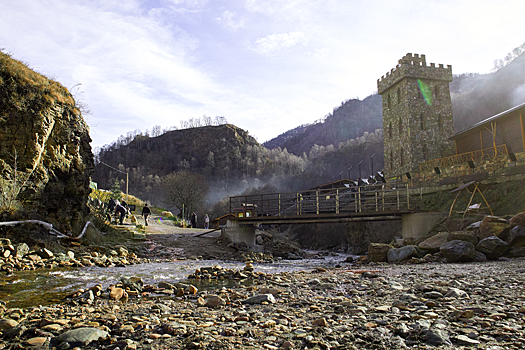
{"points": [[343, 204]]}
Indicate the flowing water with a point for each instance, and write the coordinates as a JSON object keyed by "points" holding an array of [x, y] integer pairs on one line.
{"points": [[44, 287]]}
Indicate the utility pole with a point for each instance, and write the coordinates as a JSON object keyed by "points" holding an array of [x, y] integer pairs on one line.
{"points": [[372, 163], [120, 171]]}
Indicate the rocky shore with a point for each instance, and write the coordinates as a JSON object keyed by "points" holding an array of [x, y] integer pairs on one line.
{"points": [[469, 305]]}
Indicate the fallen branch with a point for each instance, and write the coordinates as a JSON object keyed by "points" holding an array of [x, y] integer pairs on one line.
{"points": [[48, 226]]}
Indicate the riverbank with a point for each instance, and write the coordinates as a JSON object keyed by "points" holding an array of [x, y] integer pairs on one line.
{"points": [[478, 305]]}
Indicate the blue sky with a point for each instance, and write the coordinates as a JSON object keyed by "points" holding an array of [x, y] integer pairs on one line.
{"points": [[266, 65]]}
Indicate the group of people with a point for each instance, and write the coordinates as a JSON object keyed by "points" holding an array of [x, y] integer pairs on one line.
{"points": [[193, 220], [122, 209]]}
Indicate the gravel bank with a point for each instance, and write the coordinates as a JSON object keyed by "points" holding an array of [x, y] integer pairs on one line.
{"points": [[444, 306]]}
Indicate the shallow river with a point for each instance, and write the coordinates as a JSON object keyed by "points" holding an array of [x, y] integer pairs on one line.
{"points": [[44, 287]]}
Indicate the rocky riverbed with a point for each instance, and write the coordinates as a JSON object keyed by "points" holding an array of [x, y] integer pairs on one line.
{"points": [[470, 305]]}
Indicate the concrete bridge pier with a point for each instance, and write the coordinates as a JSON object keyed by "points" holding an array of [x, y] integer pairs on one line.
{"points": [[237, 233], [417, 226]]}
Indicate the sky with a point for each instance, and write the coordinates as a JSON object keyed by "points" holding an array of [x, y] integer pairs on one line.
{"points": [[267, 66]]}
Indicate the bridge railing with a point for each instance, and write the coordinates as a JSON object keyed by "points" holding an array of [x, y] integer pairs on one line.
{"points": [[369, 198]]}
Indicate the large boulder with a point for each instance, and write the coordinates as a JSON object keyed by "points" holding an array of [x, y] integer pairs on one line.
{"points": [[516, 237], [467, 236], [518, 219], [493, 226], [432, 244], [403, 253], [493, 247], [45, 157], [458, 251], [517, 252], [377, 252]]}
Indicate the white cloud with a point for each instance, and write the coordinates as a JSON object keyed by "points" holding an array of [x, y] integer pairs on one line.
{"points": [[271, 44], [227, 20]]}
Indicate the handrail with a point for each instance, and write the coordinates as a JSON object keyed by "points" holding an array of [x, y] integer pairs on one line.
{"points": [[464, 157], [359, 199]]}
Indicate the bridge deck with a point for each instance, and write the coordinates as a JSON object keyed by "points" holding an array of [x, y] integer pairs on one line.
{"points": [[344, 204]]}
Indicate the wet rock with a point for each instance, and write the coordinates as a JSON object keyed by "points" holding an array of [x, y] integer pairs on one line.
{"points": [[433, 243], [403, 253], [493, 247], [458, 251], [493, 226], [132, 283], [259, 298], [377, 252]]}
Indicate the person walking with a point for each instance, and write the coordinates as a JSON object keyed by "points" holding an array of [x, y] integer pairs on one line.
{"points": [[206, 222], [145, 213], [193, 220], [119, 209]]}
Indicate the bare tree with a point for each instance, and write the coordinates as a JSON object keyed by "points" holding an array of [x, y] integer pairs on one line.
{"points": [[156, 131], [184, 188], [207, 121]]}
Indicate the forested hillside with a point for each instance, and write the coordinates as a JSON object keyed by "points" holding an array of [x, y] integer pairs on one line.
{"points": [[348, 121], [228, 158]]}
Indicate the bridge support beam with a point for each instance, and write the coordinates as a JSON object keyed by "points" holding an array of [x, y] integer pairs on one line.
{"points": [[417, 226], [237, 233]]}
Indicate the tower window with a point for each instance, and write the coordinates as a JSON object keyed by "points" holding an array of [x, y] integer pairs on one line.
{"points": [[436, 91], [390, 130], [440, 123], [425, 153], [398, 95], [389, 102], [422, 122]]}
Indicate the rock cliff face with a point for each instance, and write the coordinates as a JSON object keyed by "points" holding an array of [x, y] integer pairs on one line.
{"points": [[45, 152]]}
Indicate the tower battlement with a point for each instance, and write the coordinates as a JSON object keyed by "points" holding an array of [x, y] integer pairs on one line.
{"points": [[417, 114], [414, 66]]}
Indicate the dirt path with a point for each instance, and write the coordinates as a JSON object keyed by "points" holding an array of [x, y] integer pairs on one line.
{"points": [[164, 240]]}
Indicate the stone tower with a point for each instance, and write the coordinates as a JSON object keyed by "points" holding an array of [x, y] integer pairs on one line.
{"points": [[417, 114]]}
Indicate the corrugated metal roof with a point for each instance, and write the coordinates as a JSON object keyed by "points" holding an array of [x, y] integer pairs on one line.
{"points": [[488, 120]]}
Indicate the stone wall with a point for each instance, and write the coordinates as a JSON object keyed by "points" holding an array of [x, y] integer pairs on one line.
{"points": [[417, 114], [45, 154]]}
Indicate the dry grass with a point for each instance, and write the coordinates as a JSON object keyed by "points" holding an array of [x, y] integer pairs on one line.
{"points": [[24, 85]]}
